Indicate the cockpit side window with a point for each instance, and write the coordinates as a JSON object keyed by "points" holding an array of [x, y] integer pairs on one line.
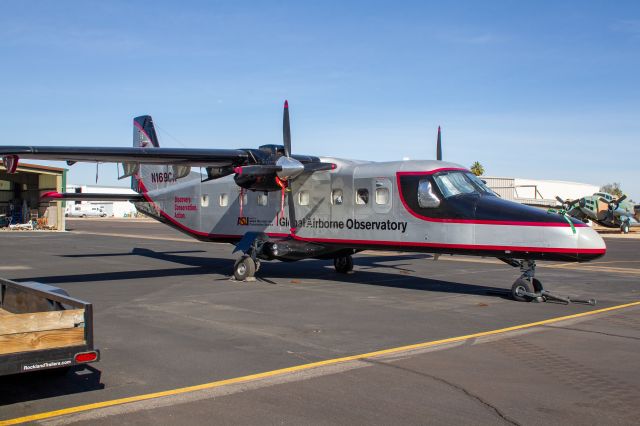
{"points": [[426, 197]]}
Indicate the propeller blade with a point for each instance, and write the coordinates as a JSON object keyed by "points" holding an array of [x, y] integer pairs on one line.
{"points": [[560, 200], [621, 199], [439, 146], [603, 200], [286, 130], [292, 210], [574, 202]]}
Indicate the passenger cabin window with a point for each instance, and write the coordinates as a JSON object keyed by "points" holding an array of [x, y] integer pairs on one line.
{"points": [[303, 198], [263, 199], [204, 200], [382, 195], [426, 197], [224, 200], [336, 197], [362, 196]]}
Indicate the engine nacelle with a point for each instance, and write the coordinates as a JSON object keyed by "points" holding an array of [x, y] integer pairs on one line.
{"points": [[265, 183]]}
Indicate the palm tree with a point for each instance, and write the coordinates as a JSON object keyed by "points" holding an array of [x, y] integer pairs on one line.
{"points": [[477, 169]]}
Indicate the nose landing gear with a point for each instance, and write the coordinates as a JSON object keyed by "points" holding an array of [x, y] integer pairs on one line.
{"points": [[527, 288]]}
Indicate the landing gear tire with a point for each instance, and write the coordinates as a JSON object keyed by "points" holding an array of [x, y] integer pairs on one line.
{"points": [[343, 264], [244, 268], [624, 228], [519, 290]]}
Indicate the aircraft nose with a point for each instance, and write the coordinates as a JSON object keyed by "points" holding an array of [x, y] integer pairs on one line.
{"points": [[590, 244]]}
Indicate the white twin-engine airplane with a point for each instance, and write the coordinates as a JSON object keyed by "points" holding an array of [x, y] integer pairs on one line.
{"points": [[275, 205]]}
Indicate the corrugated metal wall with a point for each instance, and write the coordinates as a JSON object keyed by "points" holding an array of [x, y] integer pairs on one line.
{"points": [[504, 187]]}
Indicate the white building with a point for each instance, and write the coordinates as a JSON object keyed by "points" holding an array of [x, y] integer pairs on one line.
{"points": [[537, 191], [112, 208]]}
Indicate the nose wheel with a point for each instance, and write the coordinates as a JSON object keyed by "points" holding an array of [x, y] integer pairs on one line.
{"points": [[527, 288], [521, 290]]}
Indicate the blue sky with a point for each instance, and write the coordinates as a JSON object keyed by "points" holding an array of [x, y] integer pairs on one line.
{"points": [[546, 89]]}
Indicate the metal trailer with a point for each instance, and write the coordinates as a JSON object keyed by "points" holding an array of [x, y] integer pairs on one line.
{"points": [[43, 328]]}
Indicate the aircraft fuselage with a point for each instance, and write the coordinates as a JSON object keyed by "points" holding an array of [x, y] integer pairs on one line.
{"points": [[368, 206]]}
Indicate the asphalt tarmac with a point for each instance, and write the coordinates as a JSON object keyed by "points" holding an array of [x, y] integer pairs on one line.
{"points": [[167, 317]]}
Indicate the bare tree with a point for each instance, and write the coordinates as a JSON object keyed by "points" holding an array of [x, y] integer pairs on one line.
{"points": [[612, 188]]}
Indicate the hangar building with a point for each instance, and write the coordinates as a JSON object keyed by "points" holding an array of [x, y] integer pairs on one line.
{"points": [[111, 208], [20, 195], [537, 192]]}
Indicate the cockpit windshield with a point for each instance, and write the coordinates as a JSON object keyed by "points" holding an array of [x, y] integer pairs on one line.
{"points": [[454, 183]]}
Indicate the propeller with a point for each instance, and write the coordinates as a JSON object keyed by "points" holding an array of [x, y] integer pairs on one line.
{"points": [[567, 204], [273, 172], [286, 130], [439, 146], [614, 204], [621, 199], [286, 139], [278, 172]]}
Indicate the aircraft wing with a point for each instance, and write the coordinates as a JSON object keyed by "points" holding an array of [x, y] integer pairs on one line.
{"points": [[86, 196], [182, 156]]}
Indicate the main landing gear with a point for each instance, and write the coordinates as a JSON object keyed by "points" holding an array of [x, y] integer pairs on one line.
{"points": [[245, 268], [527, 288], [343, 264]]}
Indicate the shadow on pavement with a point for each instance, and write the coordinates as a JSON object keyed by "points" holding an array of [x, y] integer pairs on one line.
{"points": [[48, 384], [368, 272]]}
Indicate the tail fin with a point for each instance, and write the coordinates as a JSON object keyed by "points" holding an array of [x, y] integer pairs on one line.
{"points": [[439, 146], [144, 134], [146, 177]]}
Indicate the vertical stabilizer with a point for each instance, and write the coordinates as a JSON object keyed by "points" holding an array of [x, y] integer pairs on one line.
{"points": [[439, 146], [144, 134]]}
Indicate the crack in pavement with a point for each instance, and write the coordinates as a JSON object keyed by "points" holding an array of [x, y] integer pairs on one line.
{"points": [[459, 388]]}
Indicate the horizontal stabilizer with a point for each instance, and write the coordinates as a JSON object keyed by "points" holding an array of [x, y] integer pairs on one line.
{"points": [[86, 196]]}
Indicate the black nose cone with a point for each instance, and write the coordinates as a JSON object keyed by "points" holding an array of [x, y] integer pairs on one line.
{"points": [[497, 209]]}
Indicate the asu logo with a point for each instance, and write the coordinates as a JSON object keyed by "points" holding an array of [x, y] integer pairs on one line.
{"points": [[243, 221]]}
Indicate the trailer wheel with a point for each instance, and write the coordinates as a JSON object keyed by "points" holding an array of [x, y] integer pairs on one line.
{"points": [[244, 268]]}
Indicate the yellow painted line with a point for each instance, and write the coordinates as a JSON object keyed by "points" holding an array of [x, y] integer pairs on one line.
{"points": [[594, 268], [297, 368]]}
